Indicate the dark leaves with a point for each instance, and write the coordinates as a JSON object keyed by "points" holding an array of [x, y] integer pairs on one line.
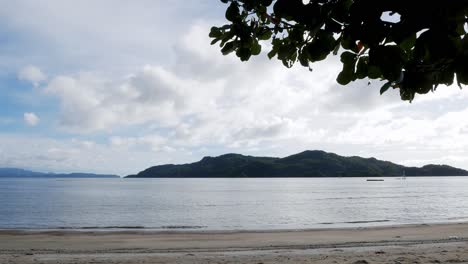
{"points": [[244, 53], [396, 52], [321, 46], [232, 12], [347, 74], [385, 87], [256, 48], [388, 59], [229, 47], [264, 34]]}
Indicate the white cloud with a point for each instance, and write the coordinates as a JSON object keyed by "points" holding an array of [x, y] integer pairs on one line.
{"points": [[109, 35], [206, 99], [151, 142], [90, 103], [81, 155], [31, 119], [32, 74], [202, 87]]}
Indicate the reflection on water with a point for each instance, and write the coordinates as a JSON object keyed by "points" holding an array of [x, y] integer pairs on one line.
{"points": [[230, 203]]}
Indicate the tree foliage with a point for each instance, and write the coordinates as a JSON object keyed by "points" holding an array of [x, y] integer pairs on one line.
{"points": [[427, 47]]}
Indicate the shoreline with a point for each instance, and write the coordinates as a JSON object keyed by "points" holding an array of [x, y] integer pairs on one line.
{"points": [[202, 230], [272, 246]]}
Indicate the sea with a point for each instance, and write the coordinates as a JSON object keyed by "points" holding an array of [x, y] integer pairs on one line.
{"points": [[230, 204]]}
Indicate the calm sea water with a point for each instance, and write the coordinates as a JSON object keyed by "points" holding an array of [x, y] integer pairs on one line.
{"points": [[215, 204]]}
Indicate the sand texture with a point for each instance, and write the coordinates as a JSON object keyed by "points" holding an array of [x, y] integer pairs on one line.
{"points": [[438, 243]]}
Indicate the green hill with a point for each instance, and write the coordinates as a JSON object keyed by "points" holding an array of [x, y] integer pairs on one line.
{"points": [[305, 164]]}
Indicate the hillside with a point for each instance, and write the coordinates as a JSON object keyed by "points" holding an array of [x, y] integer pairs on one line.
{"points": [[305, 164], [20, 173]]}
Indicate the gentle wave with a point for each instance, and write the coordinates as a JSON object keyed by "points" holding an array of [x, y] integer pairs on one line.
{"points": [[458, 218], [102, 227], [182, 227], [135, 227], [129, 227], [356, 222], [369, 197], [367, 222]]}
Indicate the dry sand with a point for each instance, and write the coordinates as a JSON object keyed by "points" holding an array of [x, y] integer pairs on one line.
{"points": [[438, 243]]}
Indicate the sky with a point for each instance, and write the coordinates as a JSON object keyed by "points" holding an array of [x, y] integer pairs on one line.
{"points": [[116, 86]]}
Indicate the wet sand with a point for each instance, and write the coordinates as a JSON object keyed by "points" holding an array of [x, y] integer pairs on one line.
{"points": [[437, 243]]}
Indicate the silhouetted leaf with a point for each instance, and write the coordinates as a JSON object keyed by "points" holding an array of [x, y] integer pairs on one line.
{"points": [[232, 12], [346, 75], [256, 48], [348, 57], [264, 35], [408, 42], [215, 33], [362, 68], [316, 52], [243, 53], [385, 87], [304, 58], [374, 72], [229, 47]]}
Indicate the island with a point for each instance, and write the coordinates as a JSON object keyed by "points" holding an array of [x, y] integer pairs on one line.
{"points": [[21, 173], [311, 163]]}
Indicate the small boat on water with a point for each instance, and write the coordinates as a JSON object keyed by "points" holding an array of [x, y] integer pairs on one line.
{"points": [[375, 179], [403, 176]]}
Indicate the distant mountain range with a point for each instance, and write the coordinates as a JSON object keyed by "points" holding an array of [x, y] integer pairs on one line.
{"points": [[20, 173], [314, 163]]}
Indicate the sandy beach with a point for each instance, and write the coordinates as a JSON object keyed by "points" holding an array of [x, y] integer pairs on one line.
{"points": [[437, 243]]}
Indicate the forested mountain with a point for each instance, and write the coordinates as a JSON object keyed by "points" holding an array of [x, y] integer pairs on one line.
{"points": [[305, 164]]}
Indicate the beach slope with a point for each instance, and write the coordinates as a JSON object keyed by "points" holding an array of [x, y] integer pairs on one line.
{"points": [[437, 243]]}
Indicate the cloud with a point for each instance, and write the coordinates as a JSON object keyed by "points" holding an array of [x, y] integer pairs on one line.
{"points": [[109, 35], [31, 119], [32, 74], [201, 87], [152, 142], [44, 153], [90, 103], [205, 98], [173, 101]]}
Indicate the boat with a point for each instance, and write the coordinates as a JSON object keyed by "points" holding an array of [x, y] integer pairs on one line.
{"points": [[375, 180]]}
